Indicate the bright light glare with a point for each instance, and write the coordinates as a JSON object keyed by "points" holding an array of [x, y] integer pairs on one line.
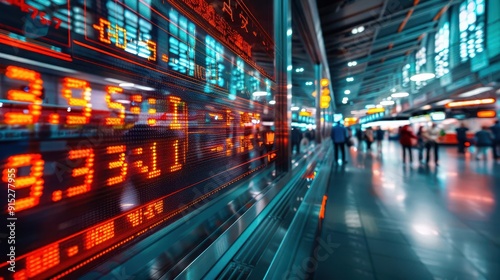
{"points": [[387, 102], [444, 102], [369, 106], [289, 68], [259, 93], [272, 102], [422, 77], [475, 91], [349, 79], [400, 94], [352, 63], [425, 230], [289, 32], [347, 91], [426, 107], [295, 108], [126, 84]]}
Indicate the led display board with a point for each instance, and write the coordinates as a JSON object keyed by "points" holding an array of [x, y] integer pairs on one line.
{"points": [[116, 117]]}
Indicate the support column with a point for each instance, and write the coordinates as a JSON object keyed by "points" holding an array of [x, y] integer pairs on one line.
{"points": [[283, 58], [317, 82]]}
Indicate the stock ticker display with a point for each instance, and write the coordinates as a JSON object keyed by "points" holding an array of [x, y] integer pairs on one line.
{"points": [[112, 114]]}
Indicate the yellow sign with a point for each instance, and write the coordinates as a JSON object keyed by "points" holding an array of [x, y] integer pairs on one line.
{"points": [[305, 114], [325, 82], [374, 111]]}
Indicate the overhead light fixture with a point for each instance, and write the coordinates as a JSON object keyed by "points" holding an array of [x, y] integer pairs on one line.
{"points": [[426, 107], [295, 108], [387, 103], [126, 85], [144, 88], [443, 102], [272, 102], [299, 70], [352, 63], [393, 90], [345, 101], [259, 93], [347, 91], [349, 79], [358, 30], [421, 77], [471, 102], [400, 94], [475, 92], [389, 98], [309, 83], [123, 101], [289, 86], [289, 32], [369, 106], [289, 68]]}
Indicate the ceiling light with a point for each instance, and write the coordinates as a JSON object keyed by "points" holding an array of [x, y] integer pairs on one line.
{"points": [[389, 98], [126, 84], [123, 101], [471, 102], [289, 68], [369, 106], [345, 101], [349, 79], [309, 83], [259, 93], [393, 90], [400, 94], [354, 31], [387, 103], [443, 102], [289, 86], [272, 102], [361, 29], [352, 63], [289, 32], [426, 107], [475, 91], [295, 108], [422, 77], [144, 88], [347, 91], [298, 70]]}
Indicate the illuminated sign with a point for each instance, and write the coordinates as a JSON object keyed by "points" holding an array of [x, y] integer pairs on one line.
{"points": [[486, 114], [476, 102], [375, 110]]}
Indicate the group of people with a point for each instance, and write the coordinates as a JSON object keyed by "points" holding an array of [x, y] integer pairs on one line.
{"points": [[427, 139], [483, 139]]}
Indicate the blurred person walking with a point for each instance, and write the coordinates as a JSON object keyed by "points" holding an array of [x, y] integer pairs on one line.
{"points": [[461, 137], [420, 144], [296, 137], [484, 140], [379, 137], [495, 129], [369, 138], [407, 139], [431, 138], [339, 138]]}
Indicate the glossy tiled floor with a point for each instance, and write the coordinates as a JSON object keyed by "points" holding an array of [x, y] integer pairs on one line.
{"points": [[390, 221]]}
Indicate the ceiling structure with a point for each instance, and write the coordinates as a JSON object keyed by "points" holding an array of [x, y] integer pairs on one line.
{"points": [[379, 35]]}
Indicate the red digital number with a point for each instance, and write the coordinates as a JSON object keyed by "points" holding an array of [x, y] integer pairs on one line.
{"points": [[33, 181], [68, 85], [42, 260], [99, 234], [32, 95], [120, 163], [87, 170], [120, 120], [151, 171]]}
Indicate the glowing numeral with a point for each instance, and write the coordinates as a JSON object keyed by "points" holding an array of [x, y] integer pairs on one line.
{"points": [[68, 85], [136, 98], [152, 48], [110, 90], [116, 34], [120, 163], [177, 121], [135, 218], [33, 180], [31, 95], [154, 171], [153, 209], [152, 111], [99, 234], [42, 259], [177, 165], [87, 171], [103, 28]]}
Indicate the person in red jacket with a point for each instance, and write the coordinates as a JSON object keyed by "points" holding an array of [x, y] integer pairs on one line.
{"points": [[407, 138]]}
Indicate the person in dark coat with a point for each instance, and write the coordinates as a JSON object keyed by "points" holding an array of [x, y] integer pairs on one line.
{"points": [[296, 137], [339, 138], [407, 138], [496, 139], [484, 140], [461, 137]]}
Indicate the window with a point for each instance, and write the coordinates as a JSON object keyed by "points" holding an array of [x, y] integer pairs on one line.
{"points": [[471, 26], [442, 49]]}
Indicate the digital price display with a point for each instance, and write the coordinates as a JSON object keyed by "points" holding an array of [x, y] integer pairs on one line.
{"points": [[145, 117]]}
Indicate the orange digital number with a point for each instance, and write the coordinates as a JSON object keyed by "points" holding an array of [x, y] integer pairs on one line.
{"points": [[177, 158], [33, 181], [87, 171], [153, 171], [42, 260], [115, 33], [152, 48], [110, 90], [152, 111], [33, 96], [136, 98], [68, 85], [120, 163], [177, 121], [103, 28], [99, 234]]}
